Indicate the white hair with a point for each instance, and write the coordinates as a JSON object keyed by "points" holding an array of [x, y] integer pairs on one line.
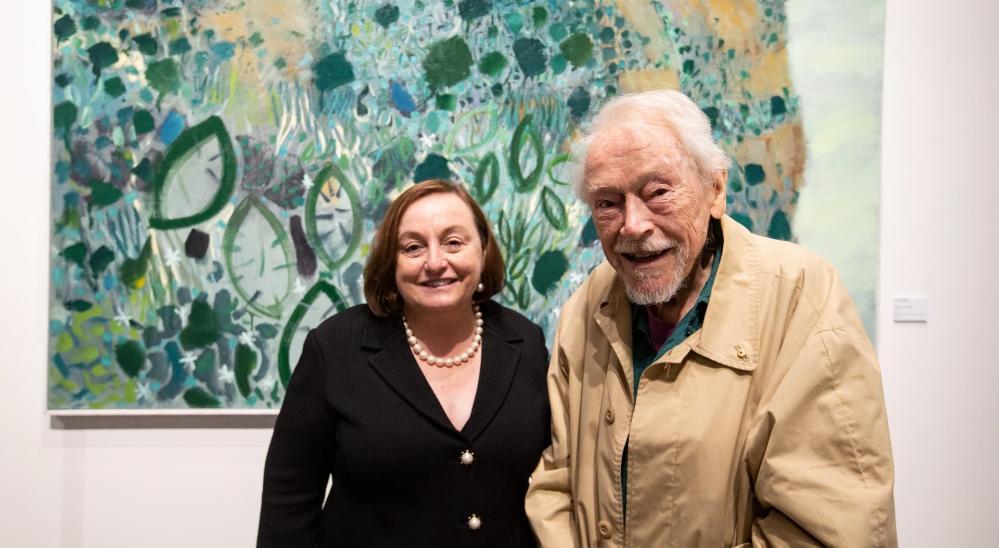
{"points": [[663, 108]]}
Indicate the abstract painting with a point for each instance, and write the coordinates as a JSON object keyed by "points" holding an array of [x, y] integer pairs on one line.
{"points": [[219, 166]]}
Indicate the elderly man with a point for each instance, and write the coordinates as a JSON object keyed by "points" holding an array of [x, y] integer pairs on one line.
{"points": [[709, 387]]}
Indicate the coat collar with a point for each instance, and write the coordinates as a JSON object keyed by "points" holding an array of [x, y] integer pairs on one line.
{"points": [[730, 333], [394, 362]]}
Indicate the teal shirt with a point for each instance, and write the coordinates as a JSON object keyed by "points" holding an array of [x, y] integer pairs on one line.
{"points": [[643, 354]]}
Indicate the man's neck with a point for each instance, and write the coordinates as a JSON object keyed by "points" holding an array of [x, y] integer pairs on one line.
{"points": [[676, 308]]}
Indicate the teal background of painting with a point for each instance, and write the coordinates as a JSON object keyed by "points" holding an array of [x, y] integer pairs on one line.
{"points": [[215, 188]]}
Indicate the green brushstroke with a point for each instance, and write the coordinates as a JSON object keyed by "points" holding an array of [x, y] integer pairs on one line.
{"points": [[202, 327], [549, 269], [290, 328], [447, 63], [131, 356], [191, 139], [332, 71], [578, 49], [246, 362], [525, 134]]}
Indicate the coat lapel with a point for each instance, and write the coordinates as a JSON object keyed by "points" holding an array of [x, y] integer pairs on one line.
{"points": [[499, 365], [395, 364]]}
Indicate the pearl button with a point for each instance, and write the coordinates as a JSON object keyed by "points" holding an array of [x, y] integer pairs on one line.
{"points": [[467, 457], [474, 522]]}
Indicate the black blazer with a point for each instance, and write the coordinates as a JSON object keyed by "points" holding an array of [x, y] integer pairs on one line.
{"points": [[359, 409]]}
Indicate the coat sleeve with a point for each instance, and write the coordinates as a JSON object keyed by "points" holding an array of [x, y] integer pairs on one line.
{"points": [[299, 459], [823, 472], [549, 496]]}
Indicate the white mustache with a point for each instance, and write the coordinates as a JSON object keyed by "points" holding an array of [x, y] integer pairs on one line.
{"points": [[648, 245]]}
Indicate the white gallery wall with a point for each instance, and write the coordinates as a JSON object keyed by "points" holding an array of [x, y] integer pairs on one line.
{"points": [[178, 483]]}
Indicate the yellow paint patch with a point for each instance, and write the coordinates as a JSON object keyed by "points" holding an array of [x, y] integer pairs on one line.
{"points": [[644, 80], [642, 16], [769, 74], [784, 147]]}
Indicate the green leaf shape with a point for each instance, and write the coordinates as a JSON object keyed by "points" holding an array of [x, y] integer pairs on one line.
{"points": [[284, 347], [164, 77], [64, 27], [333, 71], [548, 270], [487, 177], [103, 194], [554, 209], [133, 271], [578, 49], [143, 122], [246, 362], [201, 398], [447, 62], [102, 55], [470, 124], [131, 356], [386, 15], [329, 174], [147, 44], [189, 141], [75, 253], [780, 227], [251, 278], [521, 136], [556, 161], [202, 327], [531, 56], [754, 174], [64, 115], [100, 260], [470, 10], [493, 63]]}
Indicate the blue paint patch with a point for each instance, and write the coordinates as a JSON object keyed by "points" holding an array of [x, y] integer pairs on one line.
{"points": [[401, 99], [225, 50], [58, 275], [171, 128], [110, 281]]}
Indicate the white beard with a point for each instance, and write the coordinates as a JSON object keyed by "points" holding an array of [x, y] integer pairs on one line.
{"points": [[659, 287]]}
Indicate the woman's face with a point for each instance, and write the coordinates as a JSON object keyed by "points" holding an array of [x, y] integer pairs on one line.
{"points": [[440, 256]]}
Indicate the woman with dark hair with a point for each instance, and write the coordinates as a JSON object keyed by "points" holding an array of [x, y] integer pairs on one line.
{"points": [[426, 407]]}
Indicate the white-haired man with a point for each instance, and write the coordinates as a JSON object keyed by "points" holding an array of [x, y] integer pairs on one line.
{"points": [[709, 387]]}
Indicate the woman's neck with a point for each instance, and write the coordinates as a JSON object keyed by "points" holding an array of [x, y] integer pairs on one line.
{"points": [[443, 332]]}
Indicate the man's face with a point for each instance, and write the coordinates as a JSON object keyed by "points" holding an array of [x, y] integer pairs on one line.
{"points": [[650, 207]]}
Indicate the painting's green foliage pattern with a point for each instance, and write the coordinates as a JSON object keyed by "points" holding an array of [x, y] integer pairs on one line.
{"points": [[220, 167]]}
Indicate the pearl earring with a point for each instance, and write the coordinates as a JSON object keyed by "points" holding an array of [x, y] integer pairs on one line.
{"points": [[480, 288]]}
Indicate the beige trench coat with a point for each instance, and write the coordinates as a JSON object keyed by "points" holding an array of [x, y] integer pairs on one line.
{"points": [[764, 428]]}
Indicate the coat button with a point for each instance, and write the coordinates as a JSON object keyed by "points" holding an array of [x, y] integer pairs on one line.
{"points": [[609, 415], [605, 528], [740, 351], [467, 457], [474, 522]]}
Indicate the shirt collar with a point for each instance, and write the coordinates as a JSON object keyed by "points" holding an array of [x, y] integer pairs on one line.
{"points": [[730, 332]]}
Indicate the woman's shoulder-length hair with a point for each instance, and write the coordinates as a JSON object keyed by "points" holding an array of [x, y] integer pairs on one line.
{"points": [[380, 290]]}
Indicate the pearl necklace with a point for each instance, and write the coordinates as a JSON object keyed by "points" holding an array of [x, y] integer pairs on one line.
{"points": [[421, 352]]}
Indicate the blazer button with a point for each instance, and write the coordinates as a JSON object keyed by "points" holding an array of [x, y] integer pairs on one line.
{"points": [[605, 528], [740, 351], [467, 457], [609, 415], [474, 522]]}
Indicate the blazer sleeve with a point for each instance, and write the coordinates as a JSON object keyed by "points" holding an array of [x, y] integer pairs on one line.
{"points": [[300, 457], [824, 474], [549, 496]]}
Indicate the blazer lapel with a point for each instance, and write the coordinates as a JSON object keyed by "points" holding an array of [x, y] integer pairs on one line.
{"points": [[499, 366], [395, 364]]}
